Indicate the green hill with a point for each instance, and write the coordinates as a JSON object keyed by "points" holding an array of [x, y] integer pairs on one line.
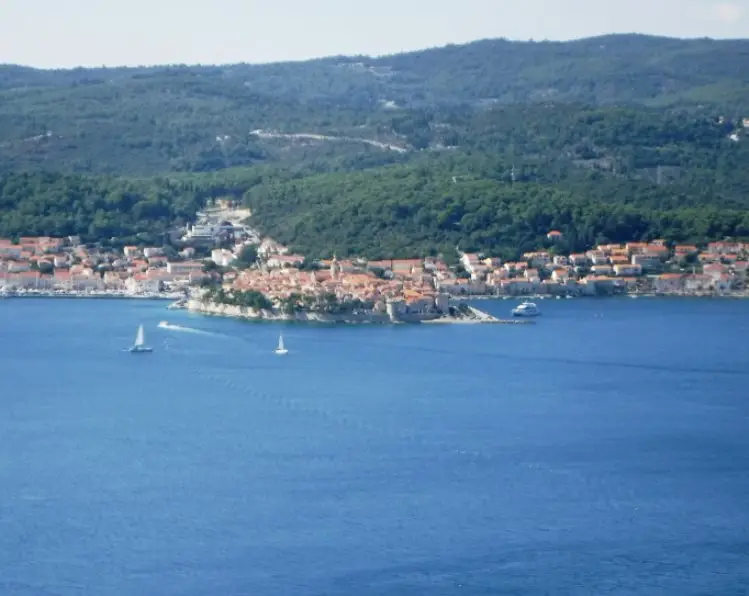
{"points": [[487, 144], [199, 118], [513, 174], [441, 201]]}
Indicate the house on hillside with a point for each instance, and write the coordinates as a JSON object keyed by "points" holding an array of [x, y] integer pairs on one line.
{"points": [[669, 283], [648, 261], [698, 283]]}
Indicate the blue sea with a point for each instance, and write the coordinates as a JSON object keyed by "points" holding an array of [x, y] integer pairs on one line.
{"points": [[604, 450]]}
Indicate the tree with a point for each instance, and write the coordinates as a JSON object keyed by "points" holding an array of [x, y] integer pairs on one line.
{"points": [[291, 304], [247, 257], [46, 268], [309, 264], [210, 266], [251, 299]]}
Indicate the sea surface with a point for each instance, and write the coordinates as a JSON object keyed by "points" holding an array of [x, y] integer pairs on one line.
{"points": [[604, 450]]}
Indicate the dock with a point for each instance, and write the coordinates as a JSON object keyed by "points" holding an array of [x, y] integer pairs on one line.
{"points": [[473, 315], [513, 321], [485, 317]]}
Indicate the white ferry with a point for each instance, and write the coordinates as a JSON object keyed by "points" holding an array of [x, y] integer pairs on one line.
{"points": [[526, 309]]}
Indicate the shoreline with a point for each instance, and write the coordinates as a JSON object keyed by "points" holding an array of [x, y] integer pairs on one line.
{"points": [[176, 297], [94, 296], [473, 316], [736, 295]]}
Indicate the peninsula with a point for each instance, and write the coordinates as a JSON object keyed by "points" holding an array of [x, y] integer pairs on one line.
{"points": [[258, 278], [568, 180]]}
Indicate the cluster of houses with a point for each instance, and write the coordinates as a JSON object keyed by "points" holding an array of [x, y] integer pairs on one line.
{"points": [[415, 285], [66, 265], [405, 286], [648, 267]]}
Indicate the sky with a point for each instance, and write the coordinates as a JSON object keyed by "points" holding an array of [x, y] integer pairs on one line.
{"points": [[68, 33]]}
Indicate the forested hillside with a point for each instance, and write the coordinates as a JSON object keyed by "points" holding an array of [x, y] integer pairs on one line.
{"points": [[606, 69], [488, 145], [177, 120], [199, 118], [514, 173], [434, 205], [99, 208]]}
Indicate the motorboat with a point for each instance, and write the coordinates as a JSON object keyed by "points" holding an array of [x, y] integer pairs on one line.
{"points": [[526, 309]]}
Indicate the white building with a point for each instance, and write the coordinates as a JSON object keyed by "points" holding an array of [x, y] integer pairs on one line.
{"points": [[222, 257], [627, 269], [271, 247], [648, 262], [152, 251], [184, 268], [202, 232]]}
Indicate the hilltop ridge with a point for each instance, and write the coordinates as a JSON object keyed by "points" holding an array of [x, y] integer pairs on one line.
{"points": [[145, 120]]}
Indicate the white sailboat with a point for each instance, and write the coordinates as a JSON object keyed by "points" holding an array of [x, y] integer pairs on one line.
{"points": [[281, 350], [140, 342]]}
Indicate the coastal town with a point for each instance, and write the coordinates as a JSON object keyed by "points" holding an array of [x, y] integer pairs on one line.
{"points": [[209, 254]]}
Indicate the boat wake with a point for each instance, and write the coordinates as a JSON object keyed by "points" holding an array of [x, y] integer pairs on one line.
{"points": [[170, 327]]}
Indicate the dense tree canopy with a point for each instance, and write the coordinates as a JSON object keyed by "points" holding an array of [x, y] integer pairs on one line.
{"points": [[199, 118], [515, 173], [97, 208], [422, 208], [487, 145]]}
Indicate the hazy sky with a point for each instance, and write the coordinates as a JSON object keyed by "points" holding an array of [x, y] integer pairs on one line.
{"points": [[54, 33]]}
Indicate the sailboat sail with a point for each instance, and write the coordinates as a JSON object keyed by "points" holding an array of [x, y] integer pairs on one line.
{"points": [[139, 347], [280, 343]]}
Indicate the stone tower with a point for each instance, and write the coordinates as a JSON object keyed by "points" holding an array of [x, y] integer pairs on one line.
{"points": [[335, 268]]}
